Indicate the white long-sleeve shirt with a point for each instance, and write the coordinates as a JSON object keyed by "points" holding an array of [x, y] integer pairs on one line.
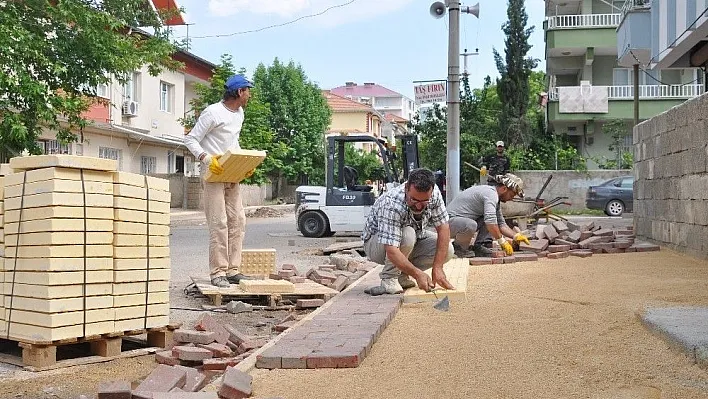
{"points": [[217, 130]]}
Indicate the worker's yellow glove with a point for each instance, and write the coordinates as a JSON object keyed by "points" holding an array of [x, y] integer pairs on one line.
{"points": [[483, 171], [505, 246], [518, 237], [214, 165]]}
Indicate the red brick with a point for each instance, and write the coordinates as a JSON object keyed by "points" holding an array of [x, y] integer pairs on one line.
{"points": [[195, 337], [497, 261], [558, 255], [295, 358], [613, 250], [480, 261], [220, 364], [114, 390], [162, 379], [342, 358], [297, 279], [251, 344], [190, 353], [604, 233], [235, 335], [322, 274], [542, 254], [186, 395], [584, 235], [309, 303], [236, 384], [208, 323], [621, 244], [581, 253], [165, 357], [284, 326], [194, 380], [288, 266], [524, 257], [217, 349], [498, 254], [558, 248], [509, 259], [575, 236], [286, 274], [550, 232], [274, 276], [535, 245]]}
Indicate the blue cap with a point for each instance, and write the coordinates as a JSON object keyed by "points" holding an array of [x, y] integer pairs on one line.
{"points": [[237, 82]]}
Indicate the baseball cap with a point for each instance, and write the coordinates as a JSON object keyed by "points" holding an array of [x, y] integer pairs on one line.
{"points": [[236, 82], [500, 143]]}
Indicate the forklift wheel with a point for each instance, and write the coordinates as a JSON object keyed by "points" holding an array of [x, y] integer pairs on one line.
{"points": [[313, 224]]}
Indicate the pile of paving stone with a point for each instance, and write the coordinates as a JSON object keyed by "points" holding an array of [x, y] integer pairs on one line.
{"points": [[562, 239], [198, 357], [342, 270]]}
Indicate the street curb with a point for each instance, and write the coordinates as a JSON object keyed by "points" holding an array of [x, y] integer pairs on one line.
{"points": [[680, 327]]}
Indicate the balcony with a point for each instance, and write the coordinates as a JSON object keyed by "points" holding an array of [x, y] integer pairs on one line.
{"points": [[583, 21], [634, 5], [646, 92]]}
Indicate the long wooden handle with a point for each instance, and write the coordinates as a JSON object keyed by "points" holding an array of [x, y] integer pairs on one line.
{"points": [[472, 166]]}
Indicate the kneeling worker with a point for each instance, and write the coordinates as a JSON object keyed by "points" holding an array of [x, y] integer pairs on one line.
{"points": [[477, 211], [395, 235]]}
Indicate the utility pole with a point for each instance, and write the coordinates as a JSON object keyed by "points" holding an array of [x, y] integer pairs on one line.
{"points": [[636, 94], [437, 10]]}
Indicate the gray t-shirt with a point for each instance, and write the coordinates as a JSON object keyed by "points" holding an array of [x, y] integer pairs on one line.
{"points": [[477, 202]]}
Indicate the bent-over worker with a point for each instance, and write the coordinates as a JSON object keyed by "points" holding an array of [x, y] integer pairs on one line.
{"points": [[395, 235], [216, 131], [477, 212]]}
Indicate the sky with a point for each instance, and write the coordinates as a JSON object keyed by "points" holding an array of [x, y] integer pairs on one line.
{"points": [[389, 42]]}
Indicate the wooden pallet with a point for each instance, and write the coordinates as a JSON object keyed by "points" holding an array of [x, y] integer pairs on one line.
{"points": [[42, 355], [456, 271], [308, 289]]}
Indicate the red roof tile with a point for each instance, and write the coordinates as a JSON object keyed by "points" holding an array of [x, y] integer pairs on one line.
{"points": [[341, 104], [395, 118], [365, 90]]}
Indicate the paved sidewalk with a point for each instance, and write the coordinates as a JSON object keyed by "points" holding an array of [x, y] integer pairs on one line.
{"points": [[179, 214]]}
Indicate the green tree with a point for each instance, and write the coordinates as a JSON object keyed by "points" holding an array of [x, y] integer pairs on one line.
{"points": [[617, 130], [299, 116], [54, 55], [515, 69], [256, 132]]}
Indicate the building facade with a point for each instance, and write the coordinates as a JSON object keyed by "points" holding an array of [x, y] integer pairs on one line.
{"points": [[591, 84], [384, 100]]}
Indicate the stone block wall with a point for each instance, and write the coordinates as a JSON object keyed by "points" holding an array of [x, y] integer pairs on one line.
{"points": [[671, 179]]}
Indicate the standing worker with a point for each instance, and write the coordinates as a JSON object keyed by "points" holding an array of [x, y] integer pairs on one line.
{"points": [[395, 235], [495, 164], [216, 131], [477, 212]]}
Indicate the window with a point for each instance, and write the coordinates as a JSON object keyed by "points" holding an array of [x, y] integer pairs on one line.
{"points": [[102, 90], [171, 158], [627, 182], [50, 147], [111, 153], [625, 77], [166, 92], [148, 165], [130, 87]]}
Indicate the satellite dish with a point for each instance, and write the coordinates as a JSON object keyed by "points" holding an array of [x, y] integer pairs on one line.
{"points": [[437, 10]]}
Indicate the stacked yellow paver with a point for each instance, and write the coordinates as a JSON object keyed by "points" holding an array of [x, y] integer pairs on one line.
{"points": [[4, 169], [74, 270], [141, 264]]}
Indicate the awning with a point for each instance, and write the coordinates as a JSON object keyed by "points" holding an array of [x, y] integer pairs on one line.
{"points": [[139, 136]]}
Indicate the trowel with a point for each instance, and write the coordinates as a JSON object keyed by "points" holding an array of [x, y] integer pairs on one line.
{"points": [[441, 304]]}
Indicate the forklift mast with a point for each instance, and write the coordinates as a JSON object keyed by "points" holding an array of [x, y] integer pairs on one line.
{"points": [[409, 149]]}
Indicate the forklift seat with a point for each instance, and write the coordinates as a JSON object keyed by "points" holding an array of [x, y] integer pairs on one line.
{"points": [[350, 179]]}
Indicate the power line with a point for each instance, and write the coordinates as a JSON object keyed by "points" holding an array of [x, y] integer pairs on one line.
{"points": [[657, 80], [277, 25], [679, 36]]}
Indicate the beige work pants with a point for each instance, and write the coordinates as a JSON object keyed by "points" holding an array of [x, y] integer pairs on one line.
{"points": [[226, 220]]}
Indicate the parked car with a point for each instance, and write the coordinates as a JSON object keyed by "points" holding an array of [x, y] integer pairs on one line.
{"points": [[615, 196]]}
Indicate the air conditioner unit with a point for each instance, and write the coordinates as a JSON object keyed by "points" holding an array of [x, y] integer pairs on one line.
{"points": [[130, 108]]}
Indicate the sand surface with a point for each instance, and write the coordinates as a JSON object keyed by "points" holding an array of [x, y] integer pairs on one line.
{"points": [[549, 329]]}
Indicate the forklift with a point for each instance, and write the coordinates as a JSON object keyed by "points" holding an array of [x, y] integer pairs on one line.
{"points": [[343, 204]]}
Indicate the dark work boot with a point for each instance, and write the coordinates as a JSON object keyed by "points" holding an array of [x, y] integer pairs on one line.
{"points": [[236, 278]]}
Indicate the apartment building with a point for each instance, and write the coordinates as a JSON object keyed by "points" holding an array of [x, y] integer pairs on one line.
{"points": [[591, 82], [137, 122], [380, 98]]}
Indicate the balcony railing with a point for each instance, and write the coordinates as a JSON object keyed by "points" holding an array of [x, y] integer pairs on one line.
{"points": [[646, 92], [584, 21], [630, 5]]}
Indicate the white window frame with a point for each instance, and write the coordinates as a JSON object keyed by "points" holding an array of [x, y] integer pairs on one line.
{"points": [[115, 154], [166, 92], [51, 147], [148, 165], [130, 87], [171, 162]]}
